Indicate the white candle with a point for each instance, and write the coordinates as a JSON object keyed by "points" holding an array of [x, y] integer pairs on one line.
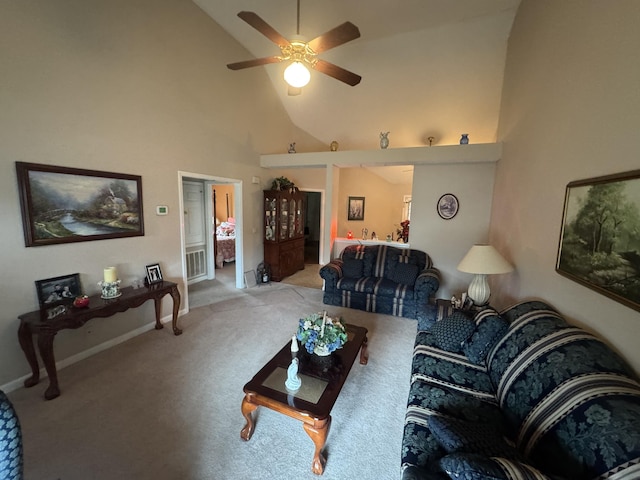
{"points": [[294, 344], [110, 275]]}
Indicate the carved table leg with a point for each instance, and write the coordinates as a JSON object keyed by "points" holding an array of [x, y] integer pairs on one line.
{"points": [[175, 295], [318, 433], [45, 345], [364, 354], [157, 303], [26, 342], [247, 410]]}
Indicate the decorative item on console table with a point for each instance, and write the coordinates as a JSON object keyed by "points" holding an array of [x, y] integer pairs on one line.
{"points": [[58, 290]]}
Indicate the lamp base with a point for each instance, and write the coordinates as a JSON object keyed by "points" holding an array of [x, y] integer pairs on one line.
{"points": [[479, 290]]}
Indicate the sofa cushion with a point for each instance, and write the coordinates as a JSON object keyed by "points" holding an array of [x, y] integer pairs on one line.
{"points": [[353, 267], [404, 273], [471, 466], [490, 328], [456, 435], [452, 331]]}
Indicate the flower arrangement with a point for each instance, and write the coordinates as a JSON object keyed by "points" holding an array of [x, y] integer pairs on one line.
{"points": [[321, 334]]}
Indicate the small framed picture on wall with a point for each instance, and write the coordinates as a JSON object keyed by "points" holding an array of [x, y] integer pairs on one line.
{"points": [[355, 208]]}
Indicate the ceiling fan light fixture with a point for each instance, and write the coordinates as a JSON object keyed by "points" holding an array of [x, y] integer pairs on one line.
{"points": [[297, 75]]}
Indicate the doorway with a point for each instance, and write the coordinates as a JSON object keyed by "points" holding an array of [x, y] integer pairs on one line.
{"points": [[312, 226], [188, 184]]}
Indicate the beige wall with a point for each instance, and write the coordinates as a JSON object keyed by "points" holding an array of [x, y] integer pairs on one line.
{"points": [[382, 206], [570, 111], [447, 241], [224, 201], [130, 86]]}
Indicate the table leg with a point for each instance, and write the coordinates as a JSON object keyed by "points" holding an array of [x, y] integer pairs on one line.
{"points": [[247, 410], [45, 345], [318, 433], [364, 354], [175, 295], [25, 338], [157, 303]]}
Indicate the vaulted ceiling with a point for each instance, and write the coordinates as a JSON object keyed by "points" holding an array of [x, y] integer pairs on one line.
{"points": [[430, 68]]}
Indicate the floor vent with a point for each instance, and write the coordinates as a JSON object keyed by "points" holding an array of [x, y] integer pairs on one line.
{"points": [[196, 264]]}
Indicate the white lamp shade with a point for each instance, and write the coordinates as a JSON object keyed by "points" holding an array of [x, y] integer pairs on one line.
{"points": [[484, 259], [297, 75]]}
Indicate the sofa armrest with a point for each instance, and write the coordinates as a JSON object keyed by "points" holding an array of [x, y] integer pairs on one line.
{"points": [[427, 284], [331, 273]]}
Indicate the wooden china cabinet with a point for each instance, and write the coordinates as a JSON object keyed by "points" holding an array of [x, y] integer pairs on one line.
{"points": [[283, 232]]}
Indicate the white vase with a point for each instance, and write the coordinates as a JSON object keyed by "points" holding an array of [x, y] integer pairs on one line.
{"points": [[321, 350]]}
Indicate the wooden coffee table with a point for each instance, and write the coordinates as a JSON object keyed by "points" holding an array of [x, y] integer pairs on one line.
{"points": [[322, 379]]}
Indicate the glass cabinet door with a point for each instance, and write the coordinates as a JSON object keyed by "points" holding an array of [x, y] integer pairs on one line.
{"points": [[299, 222], [284, 219], [270, 219], [292, 218]]}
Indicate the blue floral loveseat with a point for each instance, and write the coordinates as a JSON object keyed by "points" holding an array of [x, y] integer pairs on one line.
{"points": [[10, 441], [519, 395], [382, 279]]}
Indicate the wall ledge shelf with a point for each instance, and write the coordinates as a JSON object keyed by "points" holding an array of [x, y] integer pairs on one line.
{"points": [[436, 155]]}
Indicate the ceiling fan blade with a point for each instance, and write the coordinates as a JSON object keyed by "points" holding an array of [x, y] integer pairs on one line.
{"points": [[293, 91], [341, 34], [263, 27], [253, 63], [338, 73]]}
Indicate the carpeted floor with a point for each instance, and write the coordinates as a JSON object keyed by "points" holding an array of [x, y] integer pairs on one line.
{"points": [[165, 407]]}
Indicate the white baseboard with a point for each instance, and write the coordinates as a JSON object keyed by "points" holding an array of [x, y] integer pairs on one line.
{"points": [[19, 382]]}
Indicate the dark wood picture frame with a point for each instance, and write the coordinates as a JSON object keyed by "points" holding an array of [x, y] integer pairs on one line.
{"points": [[154, 274], [62, 204], [448, 206], [599, 244], [355, 208], [58, 290]]}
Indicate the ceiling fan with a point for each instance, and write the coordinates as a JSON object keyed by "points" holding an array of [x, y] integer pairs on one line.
{"points": [[302, 54]]}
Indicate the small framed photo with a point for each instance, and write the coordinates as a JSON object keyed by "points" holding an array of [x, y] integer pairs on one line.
{"points": [[154, 274], [355, 208], [448, 206], [58, 290]]}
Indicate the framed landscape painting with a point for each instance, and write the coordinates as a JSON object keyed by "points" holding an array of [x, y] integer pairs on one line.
{"points": [[62, 205], [600, 238]]}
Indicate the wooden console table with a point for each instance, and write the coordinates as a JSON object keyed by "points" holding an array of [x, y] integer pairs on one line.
{"points": [[37, 323]]}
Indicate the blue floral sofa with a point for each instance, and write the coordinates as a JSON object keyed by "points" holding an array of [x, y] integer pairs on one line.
{"points": [[382, 279], [519, 394], [10, 441]]}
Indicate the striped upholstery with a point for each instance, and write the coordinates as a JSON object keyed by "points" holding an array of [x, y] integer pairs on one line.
{"points": [[10, 441], [569, 403], [387, 283], [574, 403]]}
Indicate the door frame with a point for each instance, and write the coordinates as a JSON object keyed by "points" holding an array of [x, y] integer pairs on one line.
{"points": [[209, 180]]}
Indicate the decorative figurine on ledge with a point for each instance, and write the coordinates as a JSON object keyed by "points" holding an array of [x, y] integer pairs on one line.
{"points": [[384, 140], [292, 147]]}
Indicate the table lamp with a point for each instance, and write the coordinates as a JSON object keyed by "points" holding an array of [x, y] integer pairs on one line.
{"points": [[482, 260]]}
